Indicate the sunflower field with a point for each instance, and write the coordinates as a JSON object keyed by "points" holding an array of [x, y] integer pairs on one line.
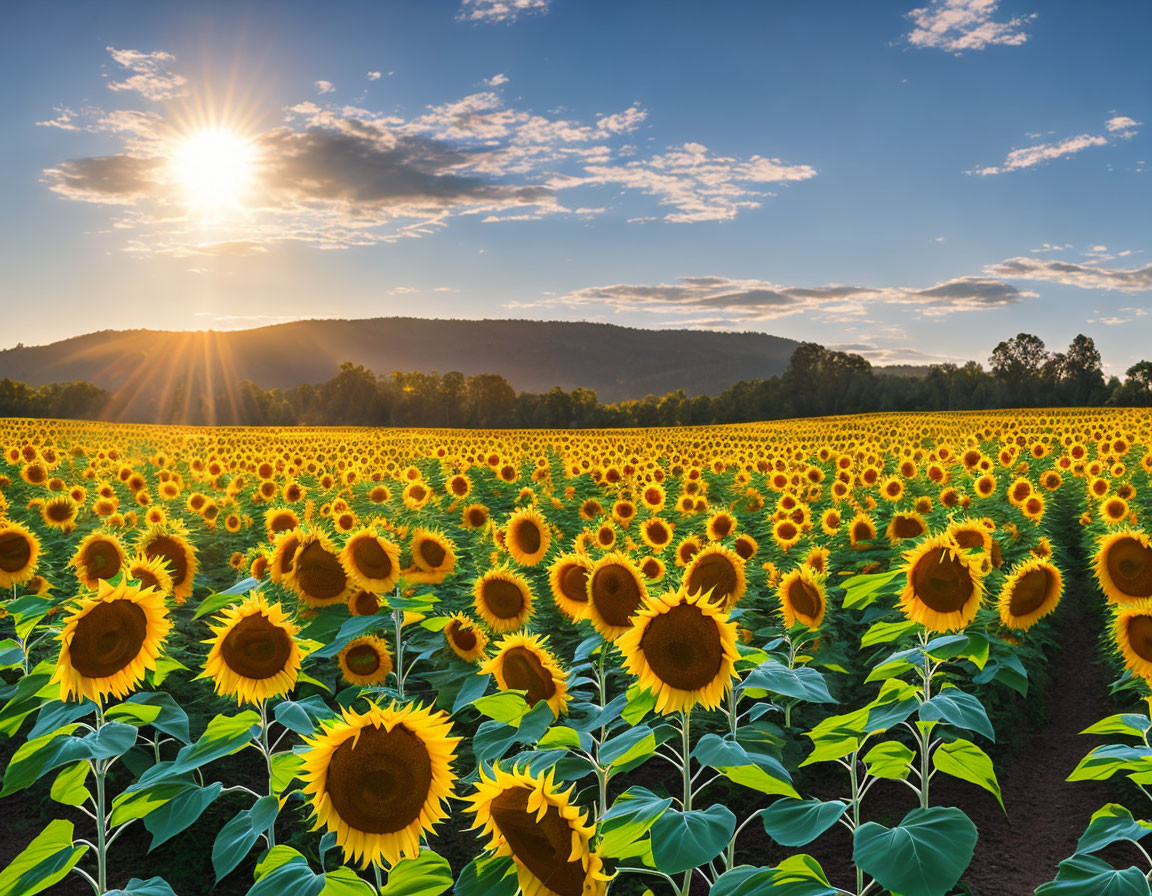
{"points": [[762, 658]]}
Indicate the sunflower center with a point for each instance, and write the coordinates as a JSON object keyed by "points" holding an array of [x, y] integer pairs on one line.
{"points": [[542, 845], [503, 598], [477, 518], [101, 559], [805, 599], [1130, 566], [108, 638], [1140, 636], [574, 583], [379, 782], [433, 553], [59, 512], [683, 647], [942, 582], [362, 659], [288, 555], [715, 572], [319, 574], [523, 671], [144, 577], [365, 604], [462, 637], [721, 526], [371, 559], [170, 550], [527, 535], [255, 647], [906, 527], [615, 593], [1029, 593]]}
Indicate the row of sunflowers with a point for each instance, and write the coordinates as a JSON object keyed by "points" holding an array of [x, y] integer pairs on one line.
{"points": [[413, 661]]}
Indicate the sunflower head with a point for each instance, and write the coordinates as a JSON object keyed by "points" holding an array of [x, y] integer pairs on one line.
{"points": [[683, 649], [568, 579], [1030, 592], [524, 663], [944, 586], [254, 652], [616, 589], [548, 837], [179, 554], [370, 561], [379, 779], [527, 536], [317, 575], [284, 548], [99, 556], [433, 552], [365, 660], [1132, 631], [1123, 566], [802, 597], [150, 572], [109, 640], [19, 552], [904, 526], [363, 603], [717, 572], [503, 598], [465, 638]]}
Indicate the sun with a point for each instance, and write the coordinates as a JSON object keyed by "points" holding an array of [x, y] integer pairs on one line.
{"points": [[214, 168]]}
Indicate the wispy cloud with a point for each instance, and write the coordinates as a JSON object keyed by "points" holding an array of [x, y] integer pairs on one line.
{"points": [[500, 10], [324, 87], [1085, 276], [334, 175], [957, 26], [1119, 127], [374, 76], [150, 76], [735, 301]]}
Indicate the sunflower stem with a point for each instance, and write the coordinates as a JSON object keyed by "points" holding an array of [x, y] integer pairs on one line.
{"points": [[398, 619], [99, 771], [925, 732], [270, 834], [377, 875], [686, 769], [857, 796]]}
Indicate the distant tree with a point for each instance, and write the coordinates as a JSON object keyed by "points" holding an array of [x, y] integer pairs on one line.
{"points": [[1019, 365], [492, 400]]}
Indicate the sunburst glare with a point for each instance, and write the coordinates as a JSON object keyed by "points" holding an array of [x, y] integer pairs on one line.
{"points": [[214, 168]]}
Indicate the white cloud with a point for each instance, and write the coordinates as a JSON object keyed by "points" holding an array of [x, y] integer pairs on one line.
{"points": [[1085, 276], [960, 25], [497, 80], [500, 10], [1119, 127], [150, 76], [324, 87], [374, 76]]}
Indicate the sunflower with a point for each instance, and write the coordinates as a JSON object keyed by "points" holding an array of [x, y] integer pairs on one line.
{"points": [[524, 663], [432, 552], [1030, 592], [99, 556], [254, 652], [284, 555], [688, 548], [179, 555], [568, 579], [830, 521], [363, 603], [785, 533], [19, 552], [682, 648], [416, 495], [944, 587], [717, 572], [656, 532], [370, 561], [109, 640], [817, 560], [465, 637], [503, 598], [861, 530], [365, 660], [527, 536], [802, 598], [317, 575], [280, 519], [903, 526], [474, 516], [653, 568], [1123, 566], [1113, 510], [1132, 631], [379, 779], [150, 572], [653, 497], [60, 513], [548, 837], [616, 590]]}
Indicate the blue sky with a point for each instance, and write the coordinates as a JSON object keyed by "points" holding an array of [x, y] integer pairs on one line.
{"points": [[913, 181]]}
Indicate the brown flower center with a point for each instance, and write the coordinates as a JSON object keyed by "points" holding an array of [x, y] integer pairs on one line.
{"points": [[715, 572], [615, 593], [464, 638], [523, 671], [319, 574], [432, 553], [683, 647], [806, 600], [1029, 593], [365, 603], [1129, 564], [101, 560], [942, 582], [541, 845], [256, 648], [504, 599], [527, 536], [108, 638], [362, 659], [574, 582], [173, 552], [1140, 636], [371, 559], [379, 784]]}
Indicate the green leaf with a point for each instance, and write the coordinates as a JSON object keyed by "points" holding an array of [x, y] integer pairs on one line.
{"points": [[43, 862], [922, 856], [628, 746], [960, 710], [560, 736], [802, 683], [508, 707], [1130, 723], [283, 870], [68, 788], [1109, 824], [684, 840], [224, 736], [744, 880], [429, 874], [630, 817], [154, 886], [180, 812], [890, 759], [39, 756], [239, 835], [285, 767], [133, 713], [352, 628], [641, 701], [886, 632], [1083, 875], [1108, 759], [895, 703], [346, 882], [971, 646], [26, 699], [171, 720], [488, 876], [799, 875], [793, 822], [863, 590], [221, 599], [756, 770], [963, 759], [56, 714]]}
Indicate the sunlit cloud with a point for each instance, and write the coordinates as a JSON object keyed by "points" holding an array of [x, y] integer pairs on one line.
{"points": [[1120, 127], [150, 75], [324, 86], [491, 11], [957, 26], [1084, 276]]}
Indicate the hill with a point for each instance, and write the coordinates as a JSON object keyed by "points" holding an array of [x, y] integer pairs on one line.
{"points": [[617, 362]]}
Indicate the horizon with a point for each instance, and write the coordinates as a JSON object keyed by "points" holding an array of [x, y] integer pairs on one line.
{"points": [[904, 181]]}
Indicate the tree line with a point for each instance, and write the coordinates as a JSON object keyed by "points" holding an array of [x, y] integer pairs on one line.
{"points": [[818, 381]]}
